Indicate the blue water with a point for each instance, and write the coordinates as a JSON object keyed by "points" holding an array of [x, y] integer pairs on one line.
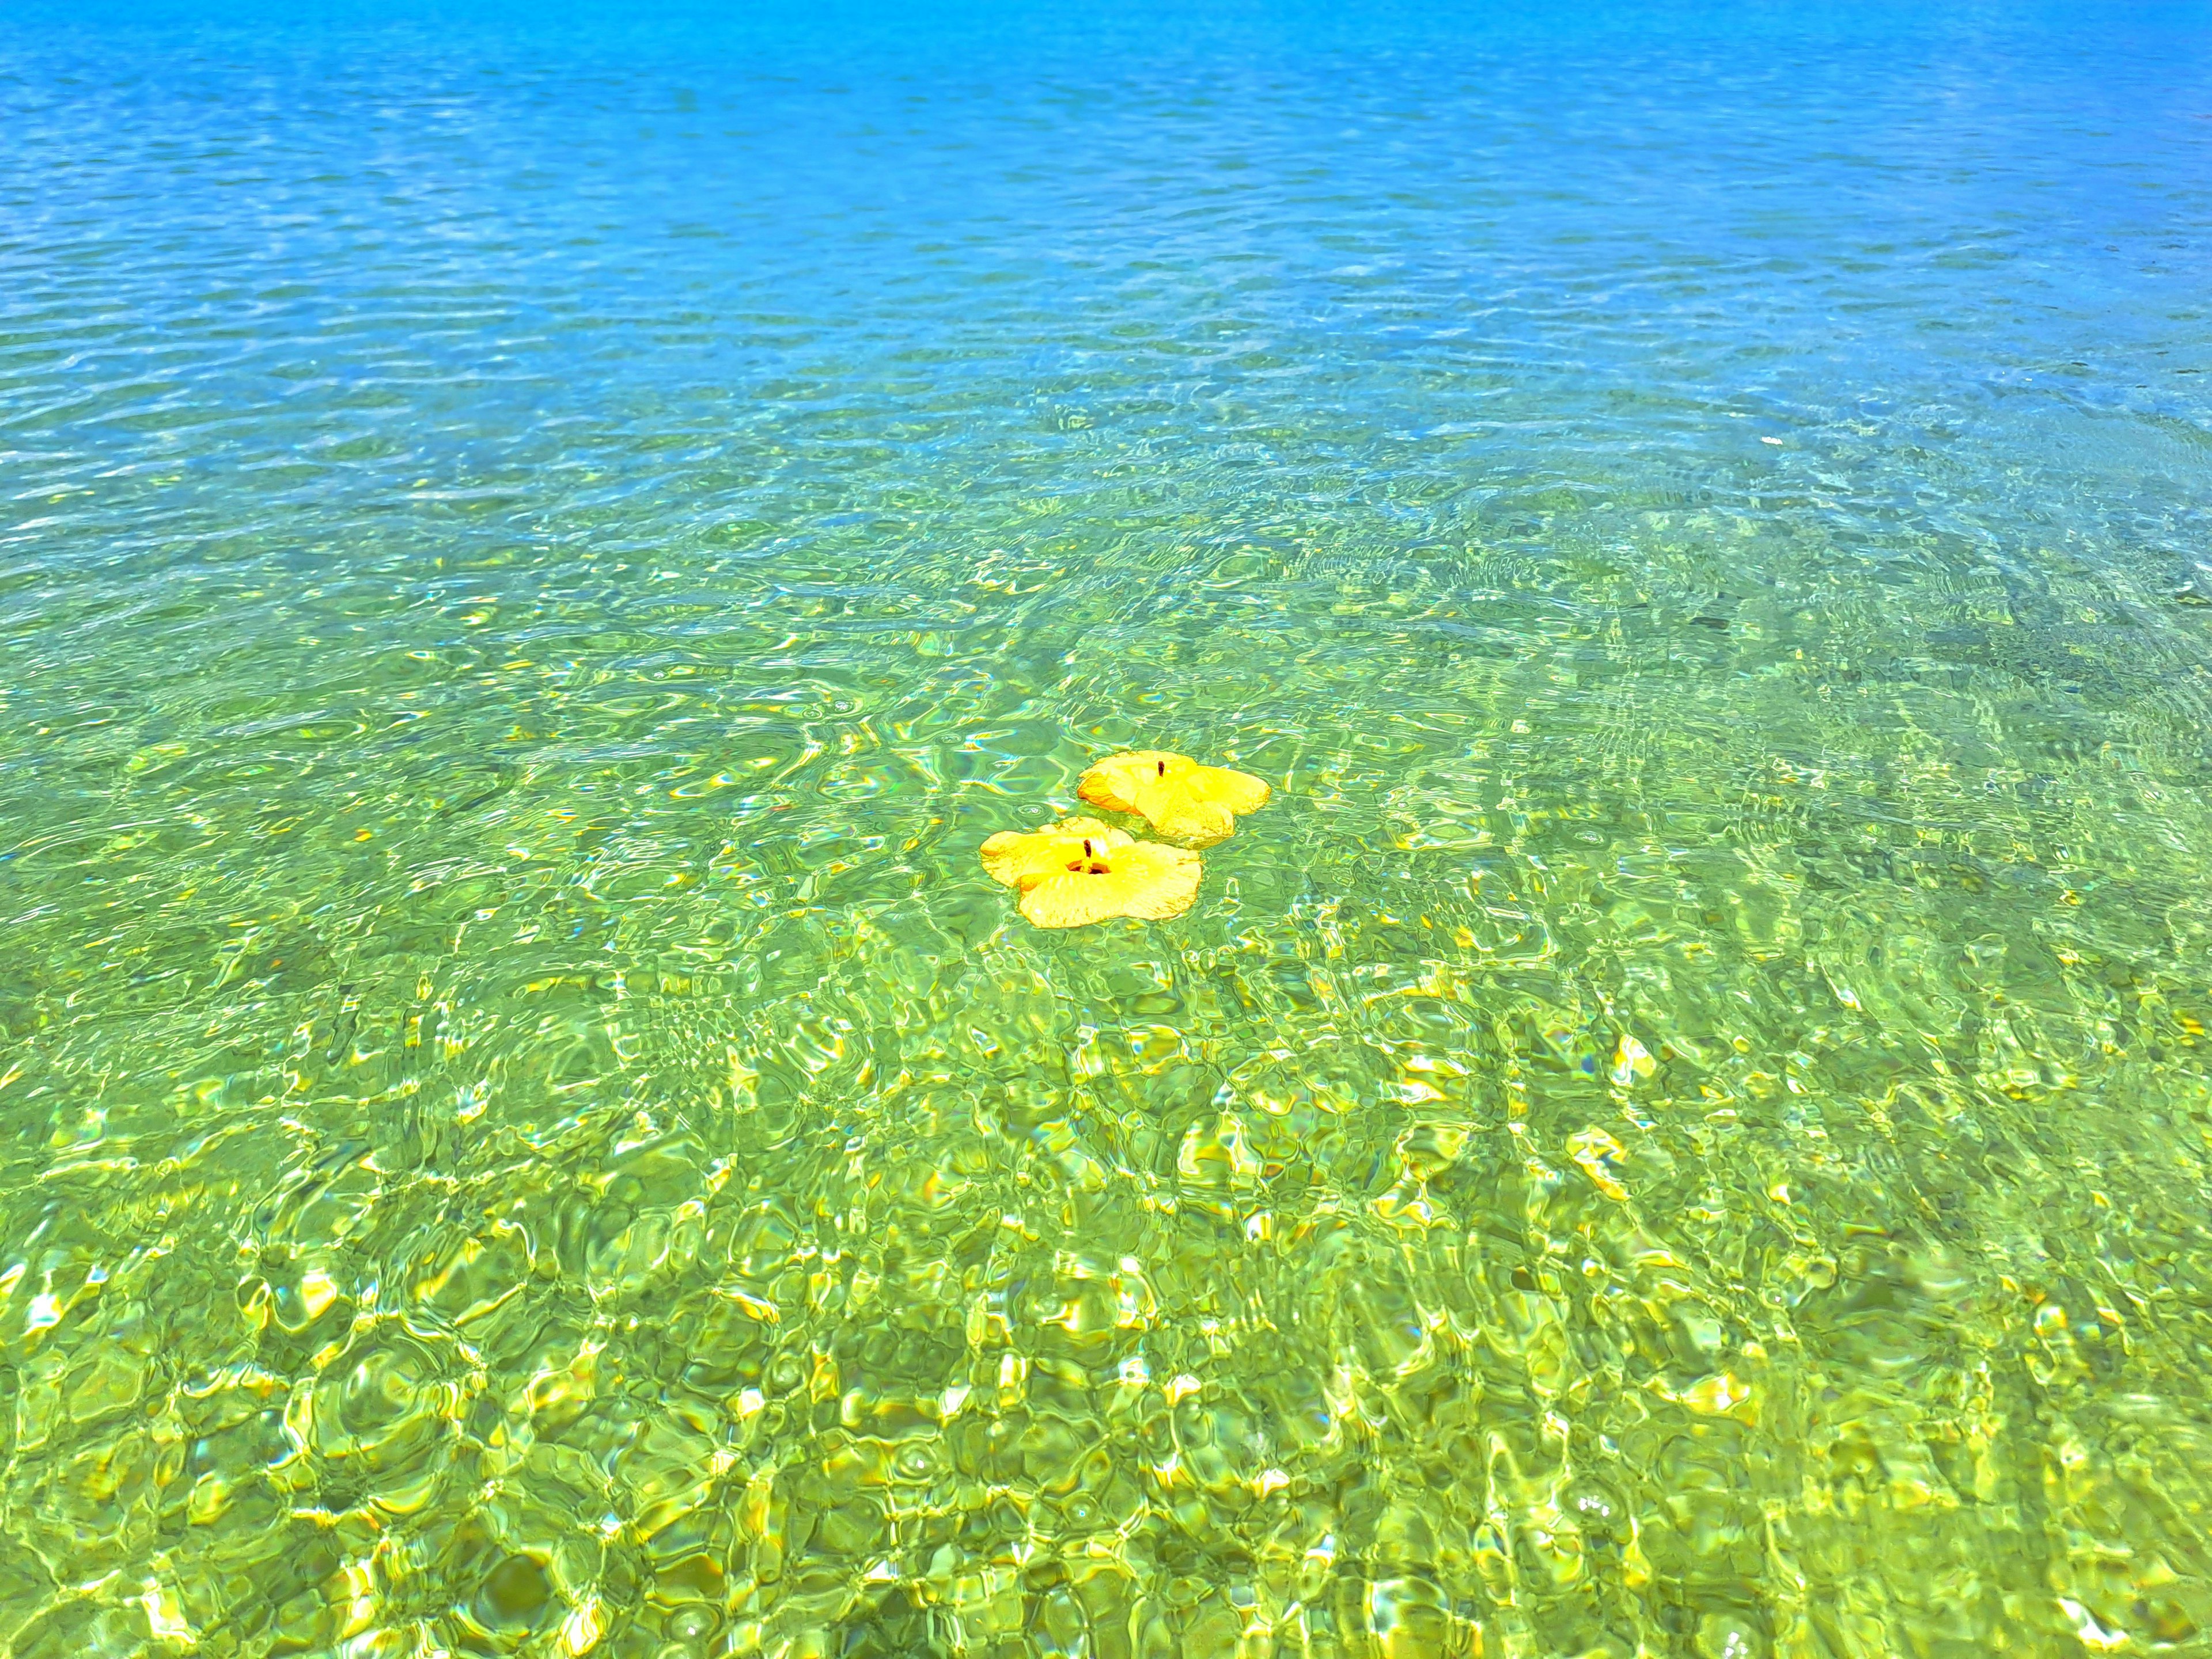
{"points": [[537, 541]]}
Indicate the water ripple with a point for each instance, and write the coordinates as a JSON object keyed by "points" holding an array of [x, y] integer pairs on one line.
{"points": [[534, 547]]}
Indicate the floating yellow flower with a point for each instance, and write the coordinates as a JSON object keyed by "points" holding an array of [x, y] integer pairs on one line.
{"points": [[1184, 800], [1080, 872]]}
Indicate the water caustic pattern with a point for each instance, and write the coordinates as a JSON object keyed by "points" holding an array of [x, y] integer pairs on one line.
{"points": [[537, 549]]}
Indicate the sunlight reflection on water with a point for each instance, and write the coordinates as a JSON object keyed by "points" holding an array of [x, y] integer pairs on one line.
{"points": [[537, 549]]}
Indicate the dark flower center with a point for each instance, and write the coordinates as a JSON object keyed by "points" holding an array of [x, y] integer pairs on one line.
{"points": [[1091, 864]]}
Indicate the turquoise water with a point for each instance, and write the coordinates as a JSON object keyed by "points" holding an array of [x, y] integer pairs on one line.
{"points": [[535, 547]]}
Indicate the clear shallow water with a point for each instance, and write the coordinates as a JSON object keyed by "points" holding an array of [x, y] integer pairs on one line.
{"points": [[536, 547]]}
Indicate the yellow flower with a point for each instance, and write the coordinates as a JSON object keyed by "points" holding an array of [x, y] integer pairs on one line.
{"points": [[1081, 872], [1182, 800]]}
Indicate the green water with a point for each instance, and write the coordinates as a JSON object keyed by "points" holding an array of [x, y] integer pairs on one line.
{"points": [[1681, 1129]]}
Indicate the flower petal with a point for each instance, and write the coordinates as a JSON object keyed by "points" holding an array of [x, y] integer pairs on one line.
{"points": [[1071, 901], [1183, 800], [1103, 876], [1014, 857], [1156, 882], [1119, 783]]}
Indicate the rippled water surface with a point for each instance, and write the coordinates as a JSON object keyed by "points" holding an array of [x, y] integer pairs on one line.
{"points": [[536, 545]]}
